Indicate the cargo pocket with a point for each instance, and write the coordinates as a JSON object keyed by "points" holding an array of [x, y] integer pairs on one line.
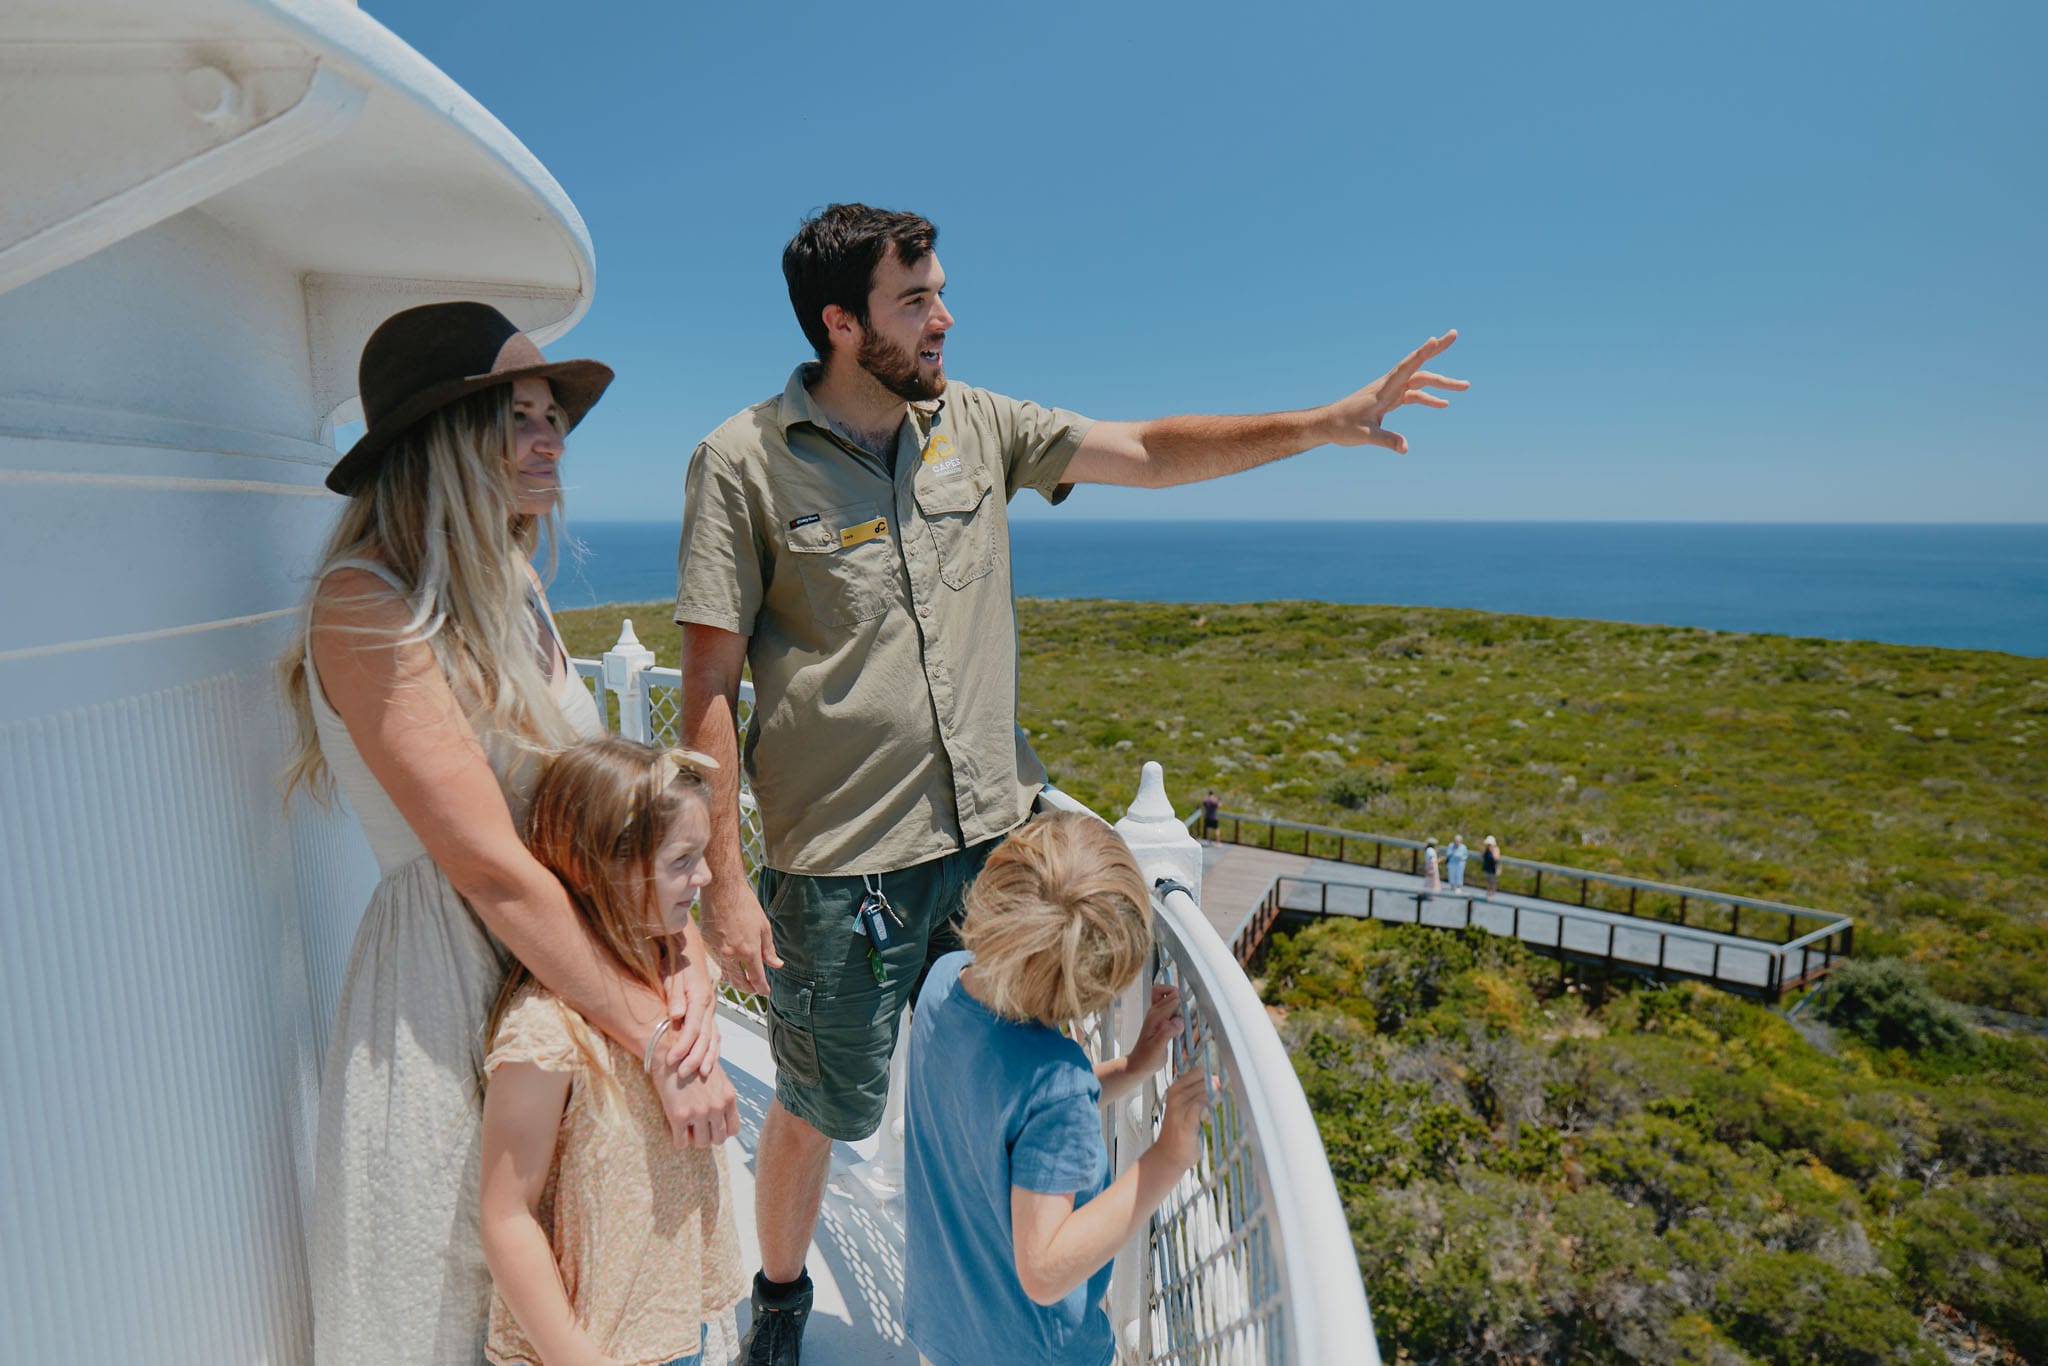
{"points": [[847, 559], [962, 516], [792, 1042]]}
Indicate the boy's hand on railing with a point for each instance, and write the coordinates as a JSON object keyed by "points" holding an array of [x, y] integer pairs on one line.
{"points": [[1162, 1022], [737, 933], [1180, 1129]]}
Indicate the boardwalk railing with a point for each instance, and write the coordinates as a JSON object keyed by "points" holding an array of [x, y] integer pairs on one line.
{"points": [[1764, 969], [1249, 1262], [1636, 924], [1617, 893]]}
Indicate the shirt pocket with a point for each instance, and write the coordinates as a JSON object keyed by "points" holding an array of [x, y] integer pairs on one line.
{"points": [[962, 517], [847, 559]]}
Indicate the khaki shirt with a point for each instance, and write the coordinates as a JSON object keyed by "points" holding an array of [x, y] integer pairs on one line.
{"points": [[881, 631]]}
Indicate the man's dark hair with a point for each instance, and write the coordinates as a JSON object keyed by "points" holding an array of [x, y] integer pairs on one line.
{"points": [[833, 256]]}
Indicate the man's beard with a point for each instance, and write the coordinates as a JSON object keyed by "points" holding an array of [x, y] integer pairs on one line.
{"points": [[895, 369]]}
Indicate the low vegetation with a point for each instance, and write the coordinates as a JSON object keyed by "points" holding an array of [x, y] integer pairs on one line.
{"points": [[1536, 1172]]}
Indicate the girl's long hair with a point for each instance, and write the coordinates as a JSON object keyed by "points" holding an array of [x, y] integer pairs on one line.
{"points": [[442, 514], [601, 811]]}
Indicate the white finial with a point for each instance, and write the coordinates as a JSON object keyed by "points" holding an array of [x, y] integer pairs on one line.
{"points": [[624, 664], [1162, 844]]}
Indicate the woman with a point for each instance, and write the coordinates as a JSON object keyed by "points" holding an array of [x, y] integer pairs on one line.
{"points": [[429, 681]]}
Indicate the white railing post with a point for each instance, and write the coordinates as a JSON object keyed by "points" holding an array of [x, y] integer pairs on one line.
{"points": [[624, 664], [1160, 839], [1164, 849]]}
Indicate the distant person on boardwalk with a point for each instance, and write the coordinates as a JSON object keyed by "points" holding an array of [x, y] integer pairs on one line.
{"points": [[606, 1242], [1489, 864], [1430, 882], [1212, 816], [1454, 862], [848, 539], [1011, 1219], [424, 682]]}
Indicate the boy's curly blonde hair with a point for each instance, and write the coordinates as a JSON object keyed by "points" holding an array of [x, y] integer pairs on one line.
{"points": [[1059, 920]]}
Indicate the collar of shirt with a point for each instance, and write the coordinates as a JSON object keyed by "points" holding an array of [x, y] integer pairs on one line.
{"points": [[799, 405]]}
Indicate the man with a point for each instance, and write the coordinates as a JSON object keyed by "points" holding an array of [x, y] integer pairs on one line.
{"points": [[850, 540]]}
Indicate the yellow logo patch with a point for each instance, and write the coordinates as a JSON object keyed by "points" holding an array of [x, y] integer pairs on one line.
{"points": [[865, 531], [938, 448]]}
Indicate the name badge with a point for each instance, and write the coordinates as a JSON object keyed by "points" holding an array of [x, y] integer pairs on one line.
{"points": [[865, 531]]}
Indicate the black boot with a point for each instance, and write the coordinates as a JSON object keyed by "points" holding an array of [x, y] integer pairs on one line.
{"points": [[776, 1336]]}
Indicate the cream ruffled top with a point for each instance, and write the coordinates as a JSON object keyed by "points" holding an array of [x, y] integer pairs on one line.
{"points": [[643, 1232]]}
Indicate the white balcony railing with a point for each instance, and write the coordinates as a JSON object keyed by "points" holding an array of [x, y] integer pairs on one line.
{"points": [[1249, 1262]]}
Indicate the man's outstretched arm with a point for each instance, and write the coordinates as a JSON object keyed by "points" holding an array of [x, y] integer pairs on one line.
{"points": [[1184, 450]]}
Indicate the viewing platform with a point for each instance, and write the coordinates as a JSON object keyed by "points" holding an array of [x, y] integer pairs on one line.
{"points": [[1255, 883]]}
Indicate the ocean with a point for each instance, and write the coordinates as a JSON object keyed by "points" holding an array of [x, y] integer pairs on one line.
{"points": [[1971, 587]]}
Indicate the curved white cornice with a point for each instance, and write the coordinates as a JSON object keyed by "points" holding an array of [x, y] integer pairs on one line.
{"points": [[304, 126]]}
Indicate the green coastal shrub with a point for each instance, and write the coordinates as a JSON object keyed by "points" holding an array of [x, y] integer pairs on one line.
{"points": [[1980, 1245], [1794, 1308], [1355, 790], [1888, 1003]]}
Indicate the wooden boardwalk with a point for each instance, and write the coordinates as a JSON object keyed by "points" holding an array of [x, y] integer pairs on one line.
{"points": [[1236, 880]]}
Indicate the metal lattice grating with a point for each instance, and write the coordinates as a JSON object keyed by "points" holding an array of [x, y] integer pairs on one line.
{"points": [[1215, 1296]]}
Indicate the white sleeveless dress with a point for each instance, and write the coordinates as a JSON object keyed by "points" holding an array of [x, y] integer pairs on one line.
{"points": [[398, 1268]]}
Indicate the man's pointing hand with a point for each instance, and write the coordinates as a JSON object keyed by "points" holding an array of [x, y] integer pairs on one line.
{"points": [[1355, 420]]}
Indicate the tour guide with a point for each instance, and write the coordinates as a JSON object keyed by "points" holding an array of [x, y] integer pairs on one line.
{"points": [[850, 540]]}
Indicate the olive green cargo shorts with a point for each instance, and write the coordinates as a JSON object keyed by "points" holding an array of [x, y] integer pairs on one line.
{"points": [[832, 1019]]}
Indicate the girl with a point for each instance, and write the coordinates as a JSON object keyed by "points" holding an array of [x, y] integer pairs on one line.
{"points": [[1012, 1219], [608, 1244]]}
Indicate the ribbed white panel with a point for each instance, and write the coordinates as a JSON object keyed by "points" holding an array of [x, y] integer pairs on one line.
{"points": [[333, 862], [155, 1043]]}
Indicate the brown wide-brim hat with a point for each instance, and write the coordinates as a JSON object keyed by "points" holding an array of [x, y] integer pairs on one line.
{"points": [[425, 358]]}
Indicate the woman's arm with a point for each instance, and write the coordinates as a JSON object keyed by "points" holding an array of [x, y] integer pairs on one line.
{"points": [[412, 734], [522, 1117]]}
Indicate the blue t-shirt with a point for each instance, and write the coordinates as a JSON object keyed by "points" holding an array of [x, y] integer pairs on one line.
{"points": [[992, 1104]]}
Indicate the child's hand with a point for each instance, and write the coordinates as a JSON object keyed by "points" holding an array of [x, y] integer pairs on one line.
{"points": [[702, 1112], [1162, 1021], [1180, 1131]]}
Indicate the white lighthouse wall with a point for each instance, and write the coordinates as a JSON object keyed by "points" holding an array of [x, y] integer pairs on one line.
{"points": [[171, 939]]}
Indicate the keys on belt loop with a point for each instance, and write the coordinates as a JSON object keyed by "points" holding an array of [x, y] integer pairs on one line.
{"points": [[875, 914]]}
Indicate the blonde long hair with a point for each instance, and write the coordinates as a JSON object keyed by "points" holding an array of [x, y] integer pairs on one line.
{"points": [[442, 514], [601, 811]]}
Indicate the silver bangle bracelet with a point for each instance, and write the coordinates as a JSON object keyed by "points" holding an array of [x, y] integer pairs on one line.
{"points": [[647, 1061]]}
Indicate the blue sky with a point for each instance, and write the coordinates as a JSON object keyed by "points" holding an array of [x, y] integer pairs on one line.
{"points": [[1724, 262]]}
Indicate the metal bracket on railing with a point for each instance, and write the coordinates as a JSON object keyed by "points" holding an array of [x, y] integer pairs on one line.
{"points": [[1167, 886]]}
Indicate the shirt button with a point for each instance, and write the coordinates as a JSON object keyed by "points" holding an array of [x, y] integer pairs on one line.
{"points": [[924, 610]]}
